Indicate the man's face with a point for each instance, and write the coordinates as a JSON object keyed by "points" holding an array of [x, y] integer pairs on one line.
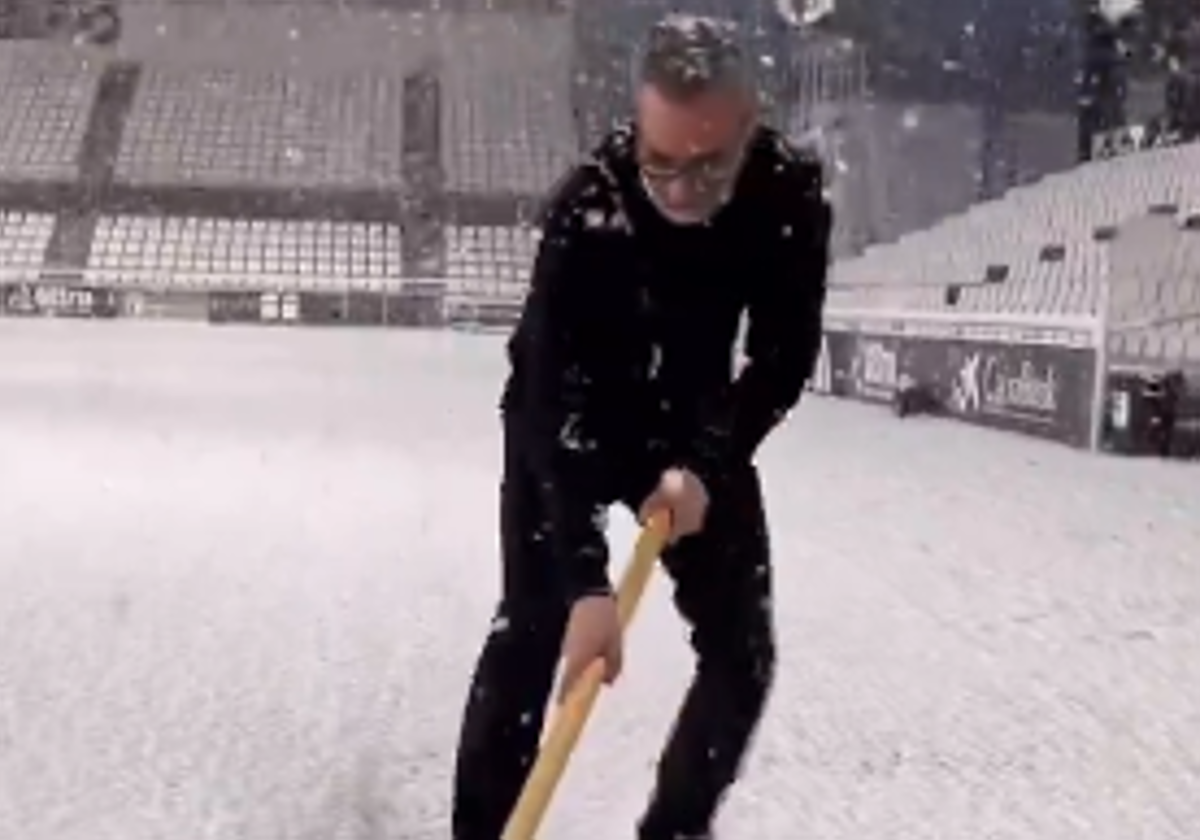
{"points": [[690, 153]]}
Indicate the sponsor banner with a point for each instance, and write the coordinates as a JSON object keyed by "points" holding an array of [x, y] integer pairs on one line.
{"points": [[1039, 390], [1036, 389], [874, 367], [59, 300]]}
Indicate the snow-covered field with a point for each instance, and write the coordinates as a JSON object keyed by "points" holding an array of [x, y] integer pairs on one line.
{"points": [[243, 574]]}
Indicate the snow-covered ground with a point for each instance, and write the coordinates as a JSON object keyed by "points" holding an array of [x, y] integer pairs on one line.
{"points": [[243, 574]]}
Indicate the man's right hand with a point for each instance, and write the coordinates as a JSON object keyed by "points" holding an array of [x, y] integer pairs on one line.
{"points": [[593, 632], [681, 493]]}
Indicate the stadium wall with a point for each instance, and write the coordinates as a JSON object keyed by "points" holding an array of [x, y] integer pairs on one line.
{"points": [[1067, 380], [408, 304], [1035, 376], [1124, 379]]}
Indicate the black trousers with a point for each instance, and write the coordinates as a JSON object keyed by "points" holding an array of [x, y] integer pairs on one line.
{"points": [[722, 581]]}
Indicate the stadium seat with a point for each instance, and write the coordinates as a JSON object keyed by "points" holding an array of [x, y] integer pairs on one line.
{"points": [[506, 113], [23, 241], [489, 265], [46, 94], [504, 254], [206, 252], [1043, 232], [235, 127]]}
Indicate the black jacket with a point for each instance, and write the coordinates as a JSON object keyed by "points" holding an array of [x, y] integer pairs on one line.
{"points": [[623, 360]]}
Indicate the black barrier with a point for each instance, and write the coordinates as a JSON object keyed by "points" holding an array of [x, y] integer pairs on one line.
{"points": [[1126, 415], [171, 304], [498, 314], [1185, 440], [322, 308], [234, 307], [1036, 389], [1143, 412], [364, 309], [415, 309], [59, 300]]}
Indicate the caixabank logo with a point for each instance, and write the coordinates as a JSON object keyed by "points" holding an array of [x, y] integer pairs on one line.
{"points": [[988, 384]]}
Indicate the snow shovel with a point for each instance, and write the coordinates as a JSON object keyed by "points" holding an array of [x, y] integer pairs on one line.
{"points": [[572, 715]]}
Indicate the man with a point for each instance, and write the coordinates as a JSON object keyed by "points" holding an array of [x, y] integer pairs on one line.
{"points": [[621, 390]]}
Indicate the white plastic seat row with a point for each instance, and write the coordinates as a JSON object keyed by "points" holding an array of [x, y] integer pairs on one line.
{"points": [[1063, 209], [193, 246], [130, 247], [46, 94], [23, 238], [243, 127], [504, 253], [506, 103], [1180, 344], [191, 280]]}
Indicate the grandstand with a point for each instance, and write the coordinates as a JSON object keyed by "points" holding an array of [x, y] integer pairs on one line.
{"points": [[220, 127], [1048, 249], [286, 147]]}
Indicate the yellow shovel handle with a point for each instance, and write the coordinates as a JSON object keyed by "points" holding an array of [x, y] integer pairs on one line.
{"points": [[573, 714]]}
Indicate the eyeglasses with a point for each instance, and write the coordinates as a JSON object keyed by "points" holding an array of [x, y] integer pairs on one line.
{"points": [[710, 172]]}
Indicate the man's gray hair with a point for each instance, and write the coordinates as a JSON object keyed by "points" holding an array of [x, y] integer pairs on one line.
{"points": [[689, 55]]}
